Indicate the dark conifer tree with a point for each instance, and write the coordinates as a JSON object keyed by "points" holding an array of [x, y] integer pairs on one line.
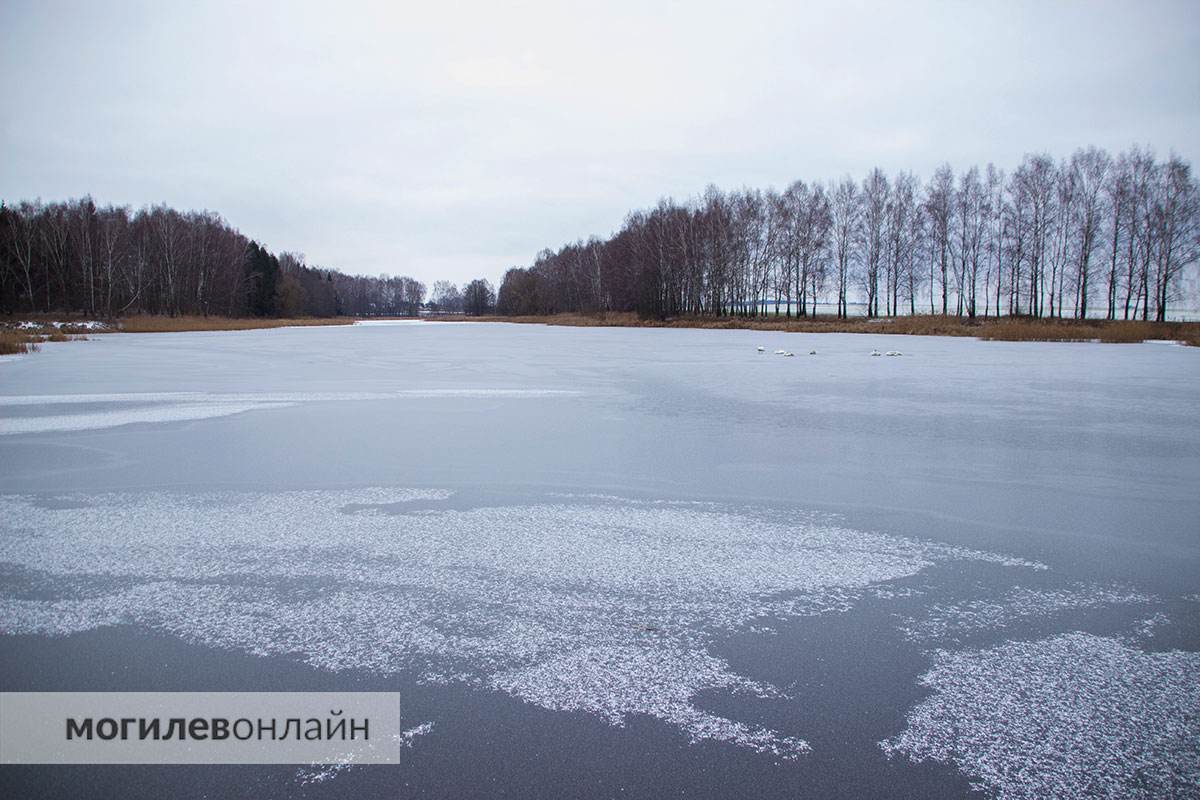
{"points": [[262, 281]]}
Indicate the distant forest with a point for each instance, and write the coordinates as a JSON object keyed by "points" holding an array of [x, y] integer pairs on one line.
{"points": [[75, 256], [1091, 235]]}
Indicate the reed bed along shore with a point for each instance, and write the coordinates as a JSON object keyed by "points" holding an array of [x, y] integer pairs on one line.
{"points": [[156, 324], [1012, 329], [25, 337], [13, 342], [23, 334]]}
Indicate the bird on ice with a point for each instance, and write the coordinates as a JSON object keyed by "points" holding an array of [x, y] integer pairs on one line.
{"points": [[762, 349], [893, 353], [788, 354], [780, 352], [812, 352], [876, 353]]}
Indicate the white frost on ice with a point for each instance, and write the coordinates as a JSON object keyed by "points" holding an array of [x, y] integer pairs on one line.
{"points": [[603, 608], [268, 397], [952, 621], [180, 406], [320, 773], [127, 416], [1148, 627], [1073, 716], [614, 682], [408, 735]]}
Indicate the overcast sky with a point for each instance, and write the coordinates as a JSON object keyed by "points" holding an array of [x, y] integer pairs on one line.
{"points": [[447, 140]]}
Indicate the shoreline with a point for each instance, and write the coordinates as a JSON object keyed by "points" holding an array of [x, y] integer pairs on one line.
{"points": [[24, 334], [1010, 329]]}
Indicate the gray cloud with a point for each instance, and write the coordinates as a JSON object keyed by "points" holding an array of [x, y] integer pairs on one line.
{"points": [[458, 140]]}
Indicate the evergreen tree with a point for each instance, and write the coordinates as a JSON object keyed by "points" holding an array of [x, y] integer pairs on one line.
{"points": [[262, 282]]}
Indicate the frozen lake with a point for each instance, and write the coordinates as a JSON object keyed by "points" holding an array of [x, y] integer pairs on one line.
{"points": [[608, 561]]}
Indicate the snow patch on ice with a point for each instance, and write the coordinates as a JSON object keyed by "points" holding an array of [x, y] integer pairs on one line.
{"points": [[269, 397], [179, 406], [952, 621], [1071, 716], [603, 608], [130, 416]]}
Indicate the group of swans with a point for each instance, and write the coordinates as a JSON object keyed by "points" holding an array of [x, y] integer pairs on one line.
{"points": [[790, 354]]}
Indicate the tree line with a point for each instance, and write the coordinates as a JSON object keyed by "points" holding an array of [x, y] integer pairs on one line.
{"points": [[476, 298], [75, 256], [1090, 235]]}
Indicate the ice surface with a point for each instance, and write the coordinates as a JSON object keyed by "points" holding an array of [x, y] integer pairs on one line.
{"points": [[597, 606], [1082, 457], [1072, 716]]}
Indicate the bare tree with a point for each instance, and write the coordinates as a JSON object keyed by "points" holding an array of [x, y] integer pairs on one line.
{"points": [[478, 297], [971, 217], [875, 195], [994, 187], [846, 214], [1176, 229], [939, 209], [1089, 176], [1117, 191]]}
